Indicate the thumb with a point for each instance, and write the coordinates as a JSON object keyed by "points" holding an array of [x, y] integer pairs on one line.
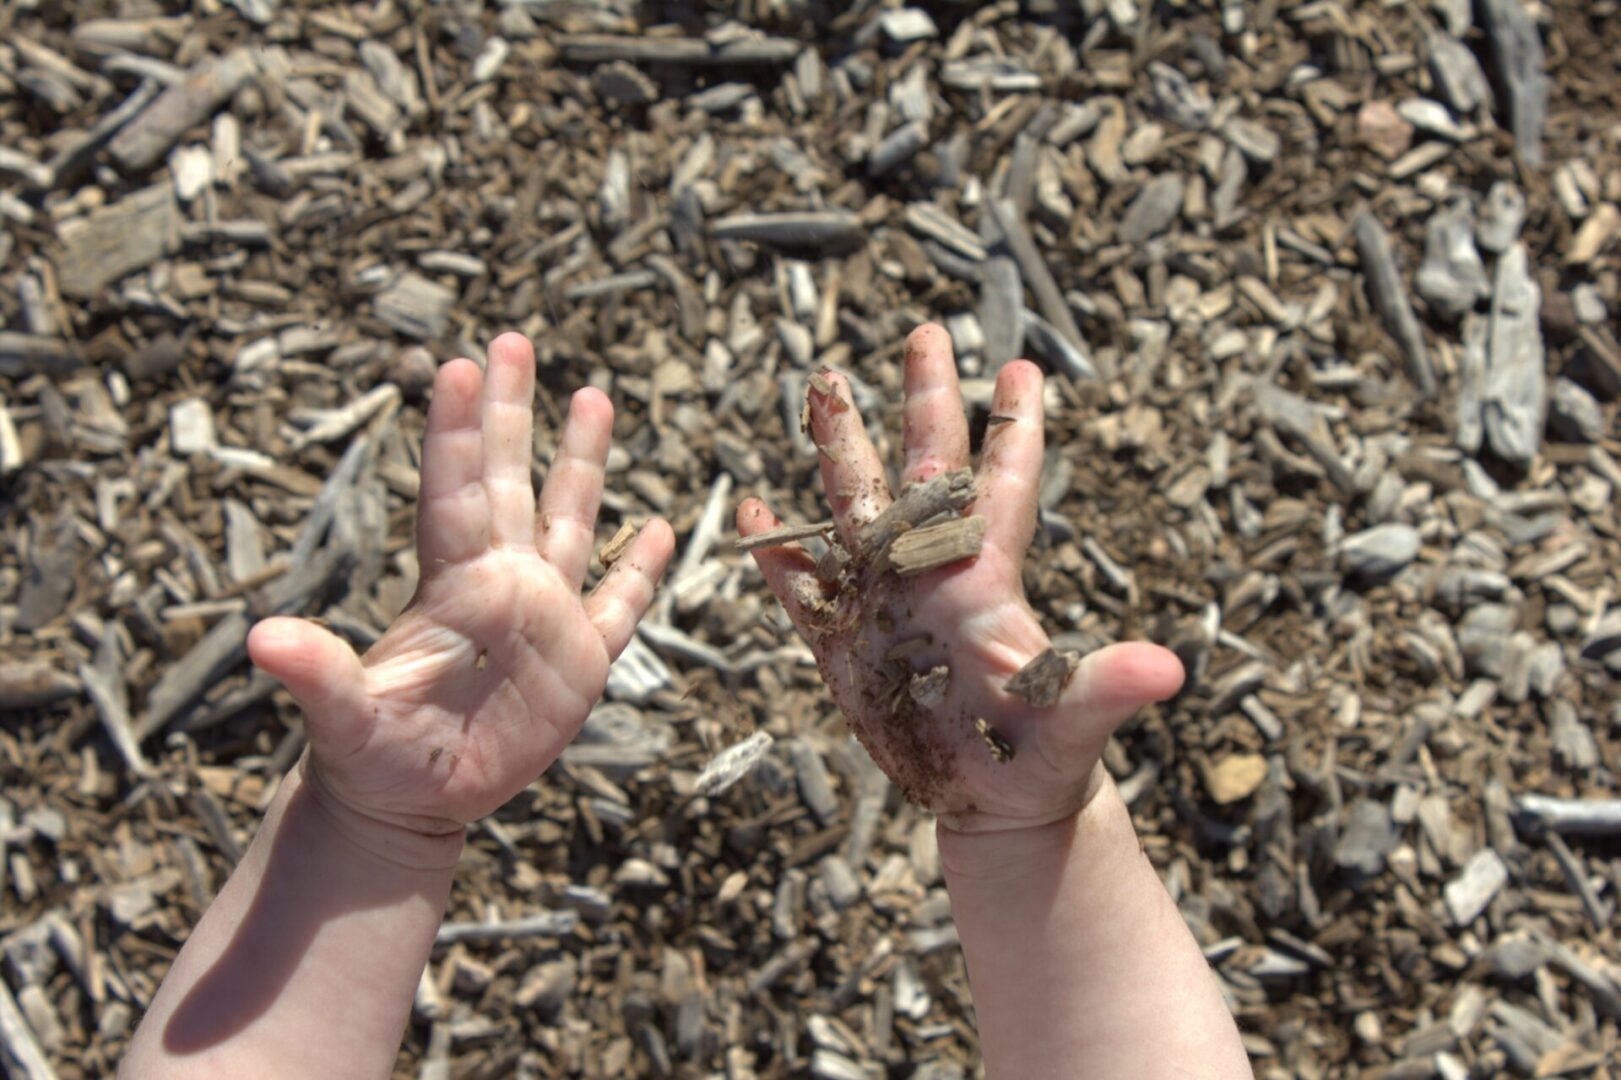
{"points": [[319, 669], [1110, 685]]}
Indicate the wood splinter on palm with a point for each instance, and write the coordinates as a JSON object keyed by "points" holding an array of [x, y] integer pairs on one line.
{"points": [[1041, 682]]}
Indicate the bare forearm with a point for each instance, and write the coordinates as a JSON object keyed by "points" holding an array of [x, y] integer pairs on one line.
{"points": [[306, 963], [1078, 959]]}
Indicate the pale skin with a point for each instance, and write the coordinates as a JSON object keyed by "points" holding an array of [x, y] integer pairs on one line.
{"points": [[1078, 960], [306, 963]]}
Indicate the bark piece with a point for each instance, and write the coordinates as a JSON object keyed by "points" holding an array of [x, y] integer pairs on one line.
{"points": [[1390, 298], [1001, 750], [27, 684], [1515, 396], [1502, 216], [732, 764], [22, 1054], [133, 233], [1001, 310], [932, 546], [415, 306], [1517, 49], [918, 503], [597, 48], [1457, 74], [782, 534], [194, 99], [1452, 277], [542, 924], [1041, 681], [1367, 839], [929, 688], [1153, 210], [611, 551], [1380, 552], [33, 354], [1572, 817], [1033, 270], [817, 229], [1468, 894]]}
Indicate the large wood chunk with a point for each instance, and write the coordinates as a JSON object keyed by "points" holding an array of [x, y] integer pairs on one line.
{"points": [[188, 102], [134, 232], [934, 546], [415, 306]]}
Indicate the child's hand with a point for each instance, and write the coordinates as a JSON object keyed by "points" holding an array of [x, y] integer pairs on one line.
{"points": [[971, 615], [491, 670]]}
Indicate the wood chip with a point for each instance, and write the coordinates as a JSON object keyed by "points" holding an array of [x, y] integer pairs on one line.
{"points": [[610, 552], [782, 534], [1042, 680], [934, 546]]}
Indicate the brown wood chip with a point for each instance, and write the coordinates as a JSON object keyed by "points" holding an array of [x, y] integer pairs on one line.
{"points": [[1001, 750], [613, 549], [916, 504], [934, 546], [1042, 680]]}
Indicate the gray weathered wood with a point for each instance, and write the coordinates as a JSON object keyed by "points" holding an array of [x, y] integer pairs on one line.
{"points": [[596, 48], [132, 233], [206, 87], [791, 228], [1515, 396], [1390, 298], [1517, 48], [32, 354]]}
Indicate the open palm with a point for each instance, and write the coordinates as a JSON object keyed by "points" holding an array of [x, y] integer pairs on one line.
{"points": [[874, 635], [491, 670]]}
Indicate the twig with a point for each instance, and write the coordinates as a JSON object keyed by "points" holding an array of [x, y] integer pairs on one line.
{"points": [[544, 924]]}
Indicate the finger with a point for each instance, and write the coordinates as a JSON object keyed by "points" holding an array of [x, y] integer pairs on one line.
{"points": [[509, 409], [322, 673], [852, 475], [1108, 687], [936, 430], [788, 568], [1010, 464], [452, 509], [621, 598], [573, 490]]}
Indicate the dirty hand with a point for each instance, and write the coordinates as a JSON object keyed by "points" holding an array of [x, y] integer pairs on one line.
{"points": [[477, 687], [981, 758]]}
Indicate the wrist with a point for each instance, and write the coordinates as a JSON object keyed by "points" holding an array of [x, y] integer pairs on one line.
{"points": [[1011, 856], [414, 844]]}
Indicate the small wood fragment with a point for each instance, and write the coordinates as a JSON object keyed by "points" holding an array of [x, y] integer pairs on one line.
{"points": [[782, 534], [1042, 680], [613, 549], [27, 684], [23, 1056], [934, 546], [598, 48], [929, 688], [818, 229], [543, 924], [1001, 750], [732, 764]]}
